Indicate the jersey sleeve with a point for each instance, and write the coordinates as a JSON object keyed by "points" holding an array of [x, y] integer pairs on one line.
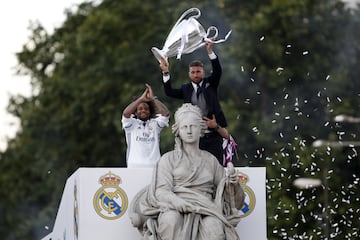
{"points": [[162, 121], [127, 122]]}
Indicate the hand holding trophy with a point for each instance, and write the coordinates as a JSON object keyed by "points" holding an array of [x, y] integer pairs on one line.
{"points": [[186, 36], [164, 65]]}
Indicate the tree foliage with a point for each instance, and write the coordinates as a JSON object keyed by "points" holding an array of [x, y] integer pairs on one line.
{"points": [[295, 63], [289, 68]]}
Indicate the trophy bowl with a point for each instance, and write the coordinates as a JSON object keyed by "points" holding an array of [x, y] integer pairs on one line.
{"points": [[186, 36]]}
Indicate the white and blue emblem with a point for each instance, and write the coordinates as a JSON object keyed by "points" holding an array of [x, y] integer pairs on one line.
{"points": [[250, 199], [110, 201]]}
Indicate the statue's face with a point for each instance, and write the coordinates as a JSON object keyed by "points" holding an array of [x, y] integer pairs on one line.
{"points": [[189, 129]]}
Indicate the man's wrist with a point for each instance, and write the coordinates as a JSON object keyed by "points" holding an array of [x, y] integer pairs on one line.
{"points": [[212, 55], [166, 77]]}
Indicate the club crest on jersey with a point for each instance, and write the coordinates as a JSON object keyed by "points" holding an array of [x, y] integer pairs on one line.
{"points": [[110, 201], [250, 199]]}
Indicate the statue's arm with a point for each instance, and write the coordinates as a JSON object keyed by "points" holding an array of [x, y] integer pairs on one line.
{"points": [[234, 188], [165, 185]]}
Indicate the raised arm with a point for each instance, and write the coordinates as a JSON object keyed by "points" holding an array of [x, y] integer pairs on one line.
{"points": [[208, 46], [214, 78], [163, 110], [164, 66], [169, 90], [131, 108]]}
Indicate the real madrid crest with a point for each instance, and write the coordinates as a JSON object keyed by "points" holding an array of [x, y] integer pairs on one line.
{"points": [[110, 201], [250, 200]]}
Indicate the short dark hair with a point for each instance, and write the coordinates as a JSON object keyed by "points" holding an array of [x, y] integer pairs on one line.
{"points": [[196, 63], [152, 107]]}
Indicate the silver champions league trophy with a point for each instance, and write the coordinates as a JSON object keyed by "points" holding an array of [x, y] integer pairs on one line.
{"points": [[186, 36]]}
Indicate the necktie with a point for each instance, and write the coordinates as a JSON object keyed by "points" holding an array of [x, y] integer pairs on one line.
{"points": [[198, 90]]}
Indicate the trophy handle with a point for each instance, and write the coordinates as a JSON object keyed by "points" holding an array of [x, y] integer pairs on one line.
{"points": [[158, 54], [210, 39], [186, 13], [208, 32]]}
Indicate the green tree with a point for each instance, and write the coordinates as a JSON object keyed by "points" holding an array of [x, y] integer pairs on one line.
{"points": [[84, 75], [289, 68], [292, 57]]}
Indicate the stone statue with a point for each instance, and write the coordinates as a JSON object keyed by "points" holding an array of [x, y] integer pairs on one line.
{"points": [[191, 196]]}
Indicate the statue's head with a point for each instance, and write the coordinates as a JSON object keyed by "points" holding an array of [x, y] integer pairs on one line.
{"points": [[188, 114]]}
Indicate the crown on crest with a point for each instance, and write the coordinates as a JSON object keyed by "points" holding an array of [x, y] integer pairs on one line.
{"points": [[110, 180]]}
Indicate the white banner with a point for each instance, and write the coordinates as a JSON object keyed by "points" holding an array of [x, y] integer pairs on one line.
{"points": [[95, 202]]}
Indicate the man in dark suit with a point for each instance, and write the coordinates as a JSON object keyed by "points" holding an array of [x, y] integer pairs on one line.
{"points": [[203, 92]]}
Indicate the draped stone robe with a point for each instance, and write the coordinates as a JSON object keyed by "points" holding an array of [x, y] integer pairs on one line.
{"points": [[201, 182]]}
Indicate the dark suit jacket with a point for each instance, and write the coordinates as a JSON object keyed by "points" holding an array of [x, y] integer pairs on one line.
{"points": [[209, 88]]}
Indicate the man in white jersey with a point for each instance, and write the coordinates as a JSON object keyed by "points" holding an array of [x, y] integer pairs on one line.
{"points": [[142, 129]]}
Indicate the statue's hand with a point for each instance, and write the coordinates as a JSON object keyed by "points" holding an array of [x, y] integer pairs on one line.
{"points": [[233, 174], [182, 206]]}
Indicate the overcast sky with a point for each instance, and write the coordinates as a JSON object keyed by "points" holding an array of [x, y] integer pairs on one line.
{"points": [[15, 16]]}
